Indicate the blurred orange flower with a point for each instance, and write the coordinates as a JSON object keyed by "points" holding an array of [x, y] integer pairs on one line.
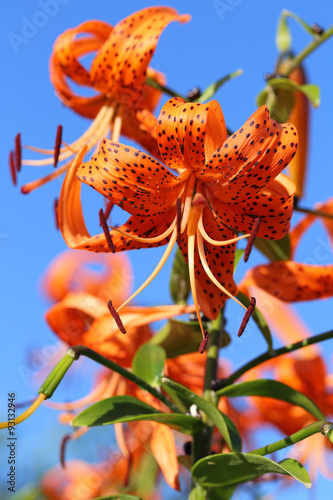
{"points": [[118, 72]]}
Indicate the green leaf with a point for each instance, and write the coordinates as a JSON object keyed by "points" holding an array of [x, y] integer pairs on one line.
{"points": [[129, 409], [271, 389], [283, 35], [222, 422], [148, 363], [221, 493], [209, 92], [179, 279], [230, 469], [121, 496], [259, 320], [238, 255], [274, 249], [28, 492], [311, 91], [178, 337]]}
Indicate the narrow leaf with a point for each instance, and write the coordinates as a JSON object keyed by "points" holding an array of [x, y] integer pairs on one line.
{"points": [[272, 389], [311, 91], [222, 422], [209, 92], [148, 363], [274, 249], [178, 337], [121, 496], [229, 469], [129, 409]]}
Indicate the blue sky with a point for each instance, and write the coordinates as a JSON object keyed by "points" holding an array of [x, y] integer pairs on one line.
{"points": [[221, 37]]}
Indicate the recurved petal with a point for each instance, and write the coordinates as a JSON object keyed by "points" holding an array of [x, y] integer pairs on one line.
{"points": [[76, 234], [163, 447], [251, 158], [189, 133], [133, 180], [292, 281], [141, 127], [121, 64], [68, 49], [273, 204]]}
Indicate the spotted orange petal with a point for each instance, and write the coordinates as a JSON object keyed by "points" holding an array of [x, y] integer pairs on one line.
{"points": [[162, 444], [220, 260], [122, 62], [251, 158], [293, 281], [133, 180], [189, 133], [273, 204]]}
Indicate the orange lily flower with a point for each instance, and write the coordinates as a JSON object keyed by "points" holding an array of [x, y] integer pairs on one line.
{"points": [[118, 72], [223, 184], [306, 373]]}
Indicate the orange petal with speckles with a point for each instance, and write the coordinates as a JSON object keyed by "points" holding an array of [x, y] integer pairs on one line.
{"points": [[293, 281], [77, 236], [189, 133], [133, 180], [251, 158], [221, 262], [273, 204], [121, 64], [163, 447]]}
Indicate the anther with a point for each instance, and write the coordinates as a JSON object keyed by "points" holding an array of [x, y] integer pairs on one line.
{"points": [[12, 167], [108, 209], [187, 447], [18, 152], [116, 317], [64, 442], [247, 316], [57, 146], [179, 219], [193, 94], [105, 228], [317, 29], [55, 209], [251, 239], [203, 342]]}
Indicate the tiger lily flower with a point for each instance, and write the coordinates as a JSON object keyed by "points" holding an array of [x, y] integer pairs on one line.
{"points": [[223, 184], [124, 102]]}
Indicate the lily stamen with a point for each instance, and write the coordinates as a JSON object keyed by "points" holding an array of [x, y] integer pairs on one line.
{"points": [[218, 243], [157, 269], [116, 317], [251, 239], [55, 209], [209, 272], [203, 343], [247, 316], [198, 204], [57, 146], [105, 228], [18, 152], [12, 167], [178, 218], [141, 239]]}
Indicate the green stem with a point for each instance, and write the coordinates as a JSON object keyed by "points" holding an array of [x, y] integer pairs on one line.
{"points": [[81, 350], [275, 353], [292, 439], [318, 213], [213, 351], [166, 90], [296, 61]]}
